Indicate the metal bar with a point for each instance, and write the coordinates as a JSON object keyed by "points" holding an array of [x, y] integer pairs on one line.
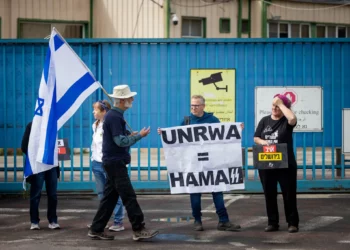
{"points": [[81, 129], [332, 108], [149, 109], [323, 136], [71, 134], [264, 84], [294, 134], [24, 97], [62, 166], [129, 74], [90, 106], [304, 134], [313, 134], [246, 101], [162, 168], [342, 82], [4, 98], [158, 109], [14, 136], [139, 112]]}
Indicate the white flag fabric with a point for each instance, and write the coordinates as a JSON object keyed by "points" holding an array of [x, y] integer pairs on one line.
{"points": [[65, 83], [203, 158]]}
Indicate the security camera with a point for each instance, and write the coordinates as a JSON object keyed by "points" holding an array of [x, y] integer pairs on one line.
{"points": [[175, 19]]}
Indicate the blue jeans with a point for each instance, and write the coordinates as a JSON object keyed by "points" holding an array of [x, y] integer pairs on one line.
{"points": [[218, 199], [101, 179], [50, 178]]}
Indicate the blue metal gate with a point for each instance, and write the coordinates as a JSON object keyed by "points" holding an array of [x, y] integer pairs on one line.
{"points": [[159, 70]]}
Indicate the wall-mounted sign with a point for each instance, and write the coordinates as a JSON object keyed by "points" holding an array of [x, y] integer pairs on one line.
{"points": [[307, 104]]}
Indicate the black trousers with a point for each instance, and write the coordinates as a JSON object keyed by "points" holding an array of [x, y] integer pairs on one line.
{"points": [[118, 183], [287, 178]]}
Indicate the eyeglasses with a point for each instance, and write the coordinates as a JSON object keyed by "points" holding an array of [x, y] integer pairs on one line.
{"points": [[196, 106]]}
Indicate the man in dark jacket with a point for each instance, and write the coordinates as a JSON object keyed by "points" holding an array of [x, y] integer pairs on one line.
{"points": [[116, 156], [199, 116], [37, 182]]}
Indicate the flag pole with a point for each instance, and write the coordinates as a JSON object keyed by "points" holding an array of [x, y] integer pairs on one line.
{"points": [[104, 91]]}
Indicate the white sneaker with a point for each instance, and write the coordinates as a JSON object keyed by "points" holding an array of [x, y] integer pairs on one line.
{"points": [[34, 226], [116, 227], [54, 225]]}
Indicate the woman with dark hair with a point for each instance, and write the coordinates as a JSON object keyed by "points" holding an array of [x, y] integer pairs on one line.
{"points": [[272, 129], [100, 109]]}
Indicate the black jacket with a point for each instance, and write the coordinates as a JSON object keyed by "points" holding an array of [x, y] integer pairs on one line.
{"points": [[24, 147], [25, 139]]}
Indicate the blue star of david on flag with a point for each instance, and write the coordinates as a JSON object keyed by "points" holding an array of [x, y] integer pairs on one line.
{"points": [[39, 110]]}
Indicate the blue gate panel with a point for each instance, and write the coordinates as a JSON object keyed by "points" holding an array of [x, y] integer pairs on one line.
{"points": [[159, 71]]}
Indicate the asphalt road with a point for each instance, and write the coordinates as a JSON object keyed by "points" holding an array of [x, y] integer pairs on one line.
{"points": [[324, 224]]}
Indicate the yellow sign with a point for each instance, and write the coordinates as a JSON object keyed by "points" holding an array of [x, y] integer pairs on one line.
{"points": [[218, 87], [270, 156]]}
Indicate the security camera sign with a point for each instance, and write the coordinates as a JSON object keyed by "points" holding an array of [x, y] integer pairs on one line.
{"points": [[217, 86], [306, 104]]}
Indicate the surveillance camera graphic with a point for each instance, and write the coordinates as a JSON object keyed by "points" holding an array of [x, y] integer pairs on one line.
{"points": [[213, 79]]}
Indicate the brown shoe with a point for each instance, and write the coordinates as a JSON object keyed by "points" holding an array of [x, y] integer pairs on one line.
{"points": [[272, 228], [293, 229], [228, 226], [144, 234], [197, 226], [100, 236]]}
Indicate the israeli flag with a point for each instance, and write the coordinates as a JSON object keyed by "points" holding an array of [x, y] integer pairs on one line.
{"points": [[65, 83]]}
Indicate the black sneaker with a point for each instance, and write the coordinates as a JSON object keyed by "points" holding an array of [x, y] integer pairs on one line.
{"points": [[272, 228], [144, 234], [100, 236], [197, 226], [228, 226], [293, 229]]}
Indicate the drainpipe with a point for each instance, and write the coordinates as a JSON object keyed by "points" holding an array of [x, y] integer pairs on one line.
{"points": [[313, 30], [167, 19], [249, 17], [264, 19], [91, 17], [239, 21]]}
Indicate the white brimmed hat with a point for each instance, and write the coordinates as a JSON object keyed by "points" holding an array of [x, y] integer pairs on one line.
{"points": [[122, 92]]}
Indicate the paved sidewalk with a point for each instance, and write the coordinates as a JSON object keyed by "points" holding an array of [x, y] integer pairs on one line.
{"points": [[324, 224]]}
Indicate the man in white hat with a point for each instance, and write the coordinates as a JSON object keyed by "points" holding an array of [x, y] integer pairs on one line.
{"points": [[115, 149]]}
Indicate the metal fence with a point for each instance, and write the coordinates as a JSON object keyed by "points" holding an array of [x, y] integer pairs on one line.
{"points": [[159, 70]]}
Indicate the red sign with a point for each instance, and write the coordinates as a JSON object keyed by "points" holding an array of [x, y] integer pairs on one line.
{"points": [[62, 150], [291, 95], [269, 149]]}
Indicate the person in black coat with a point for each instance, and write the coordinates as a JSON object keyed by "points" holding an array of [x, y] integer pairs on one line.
{"points": [[37, 181], [273, 129]]}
